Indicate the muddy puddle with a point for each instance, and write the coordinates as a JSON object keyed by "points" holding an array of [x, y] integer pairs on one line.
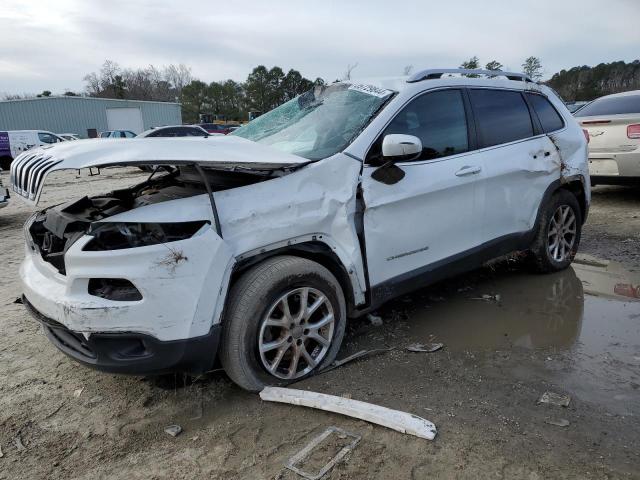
{"points": [[583, 322]]}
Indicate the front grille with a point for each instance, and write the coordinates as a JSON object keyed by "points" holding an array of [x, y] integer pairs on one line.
{"points": [[28, 171]]}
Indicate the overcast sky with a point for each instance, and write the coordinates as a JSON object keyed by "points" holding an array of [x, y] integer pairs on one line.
{"points": [[52, 45]]}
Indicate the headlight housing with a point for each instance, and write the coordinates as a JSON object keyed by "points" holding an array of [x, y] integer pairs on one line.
{"points": [[121, 235]]}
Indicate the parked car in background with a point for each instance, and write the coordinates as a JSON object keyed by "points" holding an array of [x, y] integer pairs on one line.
{"points": [[69, 136], [575, 106], [257, 246], [216, 128], [175, 131], [613, 123], [117, 134], [14, 142]]}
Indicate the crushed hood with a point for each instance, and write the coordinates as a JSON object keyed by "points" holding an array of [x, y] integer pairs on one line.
{"points": [[29, 170]]}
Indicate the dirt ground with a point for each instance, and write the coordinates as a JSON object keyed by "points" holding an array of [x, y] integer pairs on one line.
{"points": [[575, 333]]}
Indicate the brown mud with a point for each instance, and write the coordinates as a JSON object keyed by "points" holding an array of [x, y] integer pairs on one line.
{"points": [[509, 336]]}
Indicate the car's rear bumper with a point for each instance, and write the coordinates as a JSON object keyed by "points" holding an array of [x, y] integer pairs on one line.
{"points": [[130, 352], [607, 167]]}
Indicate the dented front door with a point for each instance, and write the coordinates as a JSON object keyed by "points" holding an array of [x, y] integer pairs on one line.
{"points": [[429, 216]]}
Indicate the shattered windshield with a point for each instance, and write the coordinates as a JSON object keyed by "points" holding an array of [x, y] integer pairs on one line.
{"points": [[320, 122]]}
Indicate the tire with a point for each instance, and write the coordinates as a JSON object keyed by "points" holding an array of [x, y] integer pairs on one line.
{"points": [[264, 292], [546, 258]]}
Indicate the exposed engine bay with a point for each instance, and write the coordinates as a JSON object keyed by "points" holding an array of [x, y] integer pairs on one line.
{"points": [[55, 229]]}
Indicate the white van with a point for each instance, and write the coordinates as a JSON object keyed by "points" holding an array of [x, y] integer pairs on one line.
{"points": [[14, 142]]}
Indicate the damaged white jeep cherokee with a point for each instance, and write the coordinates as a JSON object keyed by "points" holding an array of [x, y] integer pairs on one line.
{"points": [[254, 248]]}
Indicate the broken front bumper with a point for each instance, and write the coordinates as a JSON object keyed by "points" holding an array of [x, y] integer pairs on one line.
{"points": [[173, 326], [131, 353]]}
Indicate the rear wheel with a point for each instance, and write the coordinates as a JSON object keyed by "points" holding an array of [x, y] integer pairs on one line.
{"points": [[285, 320], [559, 230]]}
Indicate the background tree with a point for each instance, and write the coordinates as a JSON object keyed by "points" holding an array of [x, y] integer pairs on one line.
{"points": [[294, 84], [347, 73], [45, 93], [472, 64], [266, 89], [588, 83], [263, 90], [533, 67], [195, 100], [494, 65], [178, 76], [257, 89], [407, 70], [163, 84]]}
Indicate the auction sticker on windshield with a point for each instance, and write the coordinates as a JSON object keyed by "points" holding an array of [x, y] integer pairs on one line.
{"points": [[371, 90]]}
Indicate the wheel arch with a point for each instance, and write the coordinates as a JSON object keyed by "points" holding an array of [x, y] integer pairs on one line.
{"points": [[314, 250], [575, 185]]}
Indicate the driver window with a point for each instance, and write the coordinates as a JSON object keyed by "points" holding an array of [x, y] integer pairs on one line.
{"points": [[438, 119]]}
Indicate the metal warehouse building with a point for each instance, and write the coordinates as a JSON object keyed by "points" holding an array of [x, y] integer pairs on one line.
{"points": [[82, 114]]}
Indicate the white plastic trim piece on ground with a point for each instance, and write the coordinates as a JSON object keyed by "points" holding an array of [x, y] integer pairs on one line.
{"points": [[400, 421]]}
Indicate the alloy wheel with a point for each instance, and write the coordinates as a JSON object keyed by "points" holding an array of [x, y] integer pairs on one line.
{"points": [[296, 333], [562, 233]]}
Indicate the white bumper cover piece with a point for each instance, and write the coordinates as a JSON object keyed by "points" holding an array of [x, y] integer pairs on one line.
{"points": [[179, 282]]}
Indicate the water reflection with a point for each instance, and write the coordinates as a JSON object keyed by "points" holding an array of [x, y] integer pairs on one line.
{"points": [[531, 311], [589, 313], [606, 278]]}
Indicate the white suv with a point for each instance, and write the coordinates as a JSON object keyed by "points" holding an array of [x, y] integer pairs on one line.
{"points": [[256, 247]]}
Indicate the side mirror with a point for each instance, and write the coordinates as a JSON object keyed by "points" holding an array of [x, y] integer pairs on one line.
{"points": [[398, 148]]}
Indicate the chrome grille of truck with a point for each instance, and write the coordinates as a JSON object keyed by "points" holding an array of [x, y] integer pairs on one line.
{"points": [[28, 171]]}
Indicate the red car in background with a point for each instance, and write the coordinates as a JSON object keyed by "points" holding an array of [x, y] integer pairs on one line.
{"points": [[217, 128]]}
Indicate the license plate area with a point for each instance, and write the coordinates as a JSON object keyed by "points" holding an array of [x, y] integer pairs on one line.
{"points": [[603, 166]]}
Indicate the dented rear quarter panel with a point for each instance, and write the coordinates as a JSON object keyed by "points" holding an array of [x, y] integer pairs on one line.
{"points": [[571, 145]]}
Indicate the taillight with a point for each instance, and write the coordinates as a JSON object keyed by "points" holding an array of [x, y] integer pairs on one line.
{"points": [[633, 131], [586, 134]]}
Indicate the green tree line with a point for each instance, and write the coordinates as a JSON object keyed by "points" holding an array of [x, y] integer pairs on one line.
{"points": [[589, 83], [263, 89], [266, 88]]}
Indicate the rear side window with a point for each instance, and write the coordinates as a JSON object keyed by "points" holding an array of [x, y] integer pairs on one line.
{"points": [[164, 132], [196, 132], [438, 120], [611, 106], [47, 137], [548, 116], [502, 116]]}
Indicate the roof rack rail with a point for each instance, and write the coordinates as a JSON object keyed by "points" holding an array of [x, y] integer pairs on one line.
{"points": [[433, 73]]}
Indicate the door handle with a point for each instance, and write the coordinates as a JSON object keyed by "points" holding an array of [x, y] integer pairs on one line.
{"points": [[468, 170]]}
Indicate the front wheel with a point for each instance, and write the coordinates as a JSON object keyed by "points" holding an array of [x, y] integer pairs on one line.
{"points": [[284, 321], [558, 235]]}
